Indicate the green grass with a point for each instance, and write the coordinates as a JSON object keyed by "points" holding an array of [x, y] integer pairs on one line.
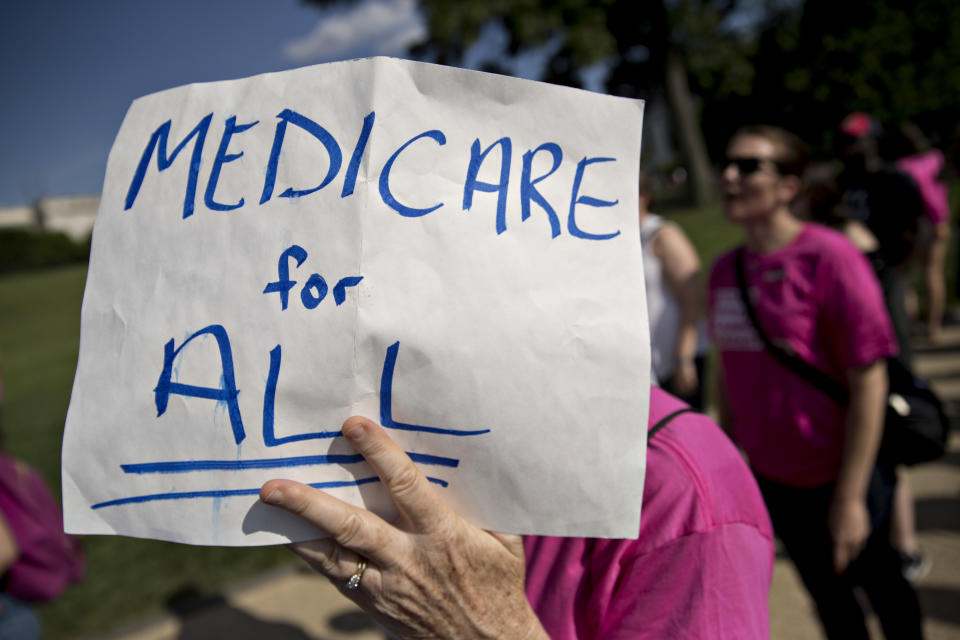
{"points": [[126, 578], [708, 230]]}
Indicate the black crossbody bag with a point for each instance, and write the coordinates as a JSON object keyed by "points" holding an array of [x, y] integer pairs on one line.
{"points": [[915, 427]]}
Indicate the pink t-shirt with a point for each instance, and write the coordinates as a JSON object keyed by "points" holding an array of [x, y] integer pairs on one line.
{"points": [[702, 562], [925, 169], [818, 297]]}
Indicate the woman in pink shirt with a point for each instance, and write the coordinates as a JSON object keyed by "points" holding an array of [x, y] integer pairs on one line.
{"points": [[815, 296], [926, 166], [700, 566]]}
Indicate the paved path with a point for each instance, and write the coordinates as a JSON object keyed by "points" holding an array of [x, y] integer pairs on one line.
{"points": [[292, 603], [936, 488]]}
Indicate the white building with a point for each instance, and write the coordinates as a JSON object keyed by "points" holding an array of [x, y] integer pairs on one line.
{"points": [[71, 215]]}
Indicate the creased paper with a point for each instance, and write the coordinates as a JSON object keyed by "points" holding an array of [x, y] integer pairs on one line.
{"points": [[451, 253]]}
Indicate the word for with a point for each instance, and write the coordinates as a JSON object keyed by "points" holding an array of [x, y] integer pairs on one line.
{"points": [[314, 290], [158, 145]]}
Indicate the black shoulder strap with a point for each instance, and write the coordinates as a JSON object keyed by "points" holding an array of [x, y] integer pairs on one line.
{"points": [[667, 418], [834, 389]]}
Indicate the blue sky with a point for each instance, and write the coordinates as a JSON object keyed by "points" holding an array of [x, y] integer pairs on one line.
{"points": [[69, 69]]}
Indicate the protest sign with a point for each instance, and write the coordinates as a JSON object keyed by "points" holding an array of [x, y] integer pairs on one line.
{"points": [[453, 254]]}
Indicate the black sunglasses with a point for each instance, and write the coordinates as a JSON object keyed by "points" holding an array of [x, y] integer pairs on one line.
{"points": [[746, 166]]}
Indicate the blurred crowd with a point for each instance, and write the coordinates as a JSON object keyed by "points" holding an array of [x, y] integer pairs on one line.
{"points": [[805, 317]]}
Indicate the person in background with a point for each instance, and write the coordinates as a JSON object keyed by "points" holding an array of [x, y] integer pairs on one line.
{"points": [[671, 273], [824, 202], [927, 167], [814, 295], [700, 566], [17, 620], [821, 203], [888, 204]]}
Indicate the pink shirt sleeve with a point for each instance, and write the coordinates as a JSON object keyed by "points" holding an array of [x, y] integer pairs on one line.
{"points": [[925, 169], [856, 324]]}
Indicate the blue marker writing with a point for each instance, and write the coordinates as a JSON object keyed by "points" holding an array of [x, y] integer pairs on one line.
{"points": [[387, 195], [314, 290], [284, 283], [318, 132], [158, 142], [528, 186], [386, 402], [226, 392], [471, 183], [576, 199], [222, 157]]}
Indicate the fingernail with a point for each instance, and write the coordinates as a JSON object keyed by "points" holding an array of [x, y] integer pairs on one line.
{"points": [[274, 497], [353, 431]]}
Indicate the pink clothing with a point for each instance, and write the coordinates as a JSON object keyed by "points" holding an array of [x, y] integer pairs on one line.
{"points": [[702, 562], [818, 297], [925, 169]]}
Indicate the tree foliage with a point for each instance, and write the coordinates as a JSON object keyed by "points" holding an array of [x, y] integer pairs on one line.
{"points": [[653, 48], [803, 64], [646, 48], [815, 62]]}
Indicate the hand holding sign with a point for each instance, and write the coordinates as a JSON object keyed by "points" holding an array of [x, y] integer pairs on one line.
{"points": [[412, 582], [452, 253]]}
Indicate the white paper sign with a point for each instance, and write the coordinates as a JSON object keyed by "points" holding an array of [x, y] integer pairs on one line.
{"points": [[453, 254]]}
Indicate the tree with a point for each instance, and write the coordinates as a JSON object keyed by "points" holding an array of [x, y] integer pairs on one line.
{"points": [[648, 49], [660, 47], [817, 61]]}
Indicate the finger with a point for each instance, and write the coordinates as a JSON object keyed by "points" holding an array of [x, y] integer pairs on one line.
{"points": [[326, 556], [354, 528], [337, 563], [410, 490]]}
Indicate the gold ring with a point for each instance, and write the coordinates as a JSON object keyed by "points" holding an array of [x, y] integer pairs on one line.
{"points": [[354, 581]]}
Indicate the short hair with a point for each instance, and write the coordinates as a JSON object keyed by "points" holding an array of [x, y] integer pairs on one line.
{"points": [[791, 150]]}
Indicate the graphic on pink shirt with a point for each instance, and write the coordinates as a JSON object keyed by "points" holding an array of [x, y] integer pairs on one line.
{"points": [[731, 325]]}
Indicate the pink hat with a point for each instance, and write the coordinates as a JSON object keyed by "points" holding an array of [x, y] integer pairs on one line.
{"points": [[859, 124]]}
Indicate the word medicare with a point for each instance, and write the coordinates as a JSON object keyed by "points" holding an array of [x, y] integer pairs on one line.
{"points": [[158, 145]]}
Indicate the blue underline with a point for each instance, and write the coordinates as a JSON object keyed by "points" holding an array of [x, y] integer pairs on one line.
{"points": [[400, 426], [185, 466], [232, 493]]}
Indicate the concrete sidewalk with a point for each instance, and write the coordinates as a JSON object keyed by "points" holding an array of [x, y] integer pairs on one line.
{"points": [[293, 603], [936, 488]]}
